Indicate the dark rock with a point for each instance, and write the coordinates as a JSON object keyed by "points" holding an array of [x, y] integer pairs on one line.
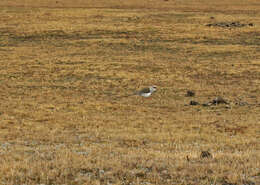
{"points": [[194, 102], [219, 100], [206, 104], [216, 101], [205, 154], [229, 24], [240, 103], [190, 93], [187, 158]]}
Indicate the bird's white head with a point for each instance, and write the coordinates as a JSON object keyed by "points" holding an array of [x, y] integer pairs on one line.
{"points": [[153, 88]]}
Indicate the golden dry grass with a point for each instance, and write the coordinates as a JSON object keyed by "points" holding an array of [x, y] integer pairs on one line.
{"points": [[65, 63]]}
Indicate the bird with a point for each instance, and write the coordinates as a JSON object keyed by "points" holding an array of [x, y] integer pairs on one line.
{"points": [[145, 92]]}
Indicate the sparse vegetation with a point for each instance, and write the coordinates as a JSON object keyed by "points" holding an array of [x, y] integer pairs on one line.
{"points": [[65, 63]]}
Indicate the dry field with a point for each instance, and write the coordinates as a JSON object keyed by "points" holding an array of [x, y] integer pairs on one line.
{"points": [[64, 65]]}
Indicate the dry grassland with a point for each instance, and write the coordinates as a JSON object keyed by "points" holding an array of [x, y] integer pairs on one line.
{"points": [[64, 65]]}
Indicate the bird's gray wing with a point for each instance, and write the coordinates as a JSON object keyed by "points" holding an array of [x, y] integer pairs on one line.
{"points": [[145, 90]]}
